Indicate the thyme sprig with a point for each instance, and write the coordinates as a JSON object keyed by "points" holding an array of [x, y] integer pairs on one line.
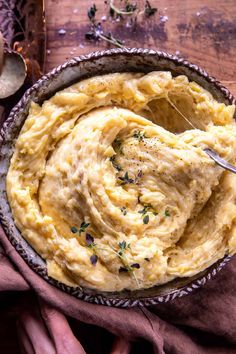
{"points": [[128, 10], [126, 267], [146, 209], [96, 31], [121, 253], [126, 179]]}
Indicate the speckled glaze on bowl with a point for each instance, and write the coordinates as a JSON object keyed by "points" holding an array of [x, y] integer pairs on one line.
{"points": [[76, 69]]}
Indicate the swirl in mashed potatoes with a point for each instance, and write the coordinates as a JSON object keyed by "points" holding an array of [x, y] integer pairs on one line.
{"points": [[111, 185]]}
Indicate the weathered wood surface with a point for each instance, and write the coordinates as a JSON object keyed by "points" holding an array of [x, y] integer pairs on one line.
{"points": [[204, 32]]}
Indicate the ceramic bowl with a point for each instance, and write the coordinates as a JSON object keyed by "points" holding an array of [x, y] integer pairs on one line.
{"points": [[98, 63]]}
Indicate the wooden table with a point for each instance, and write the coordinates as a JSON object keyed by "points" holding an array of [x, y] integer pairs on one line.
{"points": [[204, 32]]}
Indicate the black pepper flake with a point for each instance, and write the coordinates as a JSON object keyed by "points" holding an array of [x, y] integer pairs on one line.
{"points": [[147, 259], [94, 259]]}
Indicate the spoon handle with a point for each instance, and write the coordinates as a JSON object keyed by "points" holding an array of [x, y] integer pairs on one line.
{"points": [[221, 162]]}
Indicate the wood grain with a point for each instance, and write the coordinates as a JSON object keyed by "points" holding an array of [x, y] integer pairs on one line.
{"points": [[204, 32]]}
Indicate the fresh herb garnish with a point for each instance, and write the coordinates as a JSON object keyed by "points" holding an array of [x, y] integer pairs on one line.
{"points": [[125, 179], [139, 135], [126, 267], [167, 212], [115, 164], [123, 210], [146, 219], [149, 10]]}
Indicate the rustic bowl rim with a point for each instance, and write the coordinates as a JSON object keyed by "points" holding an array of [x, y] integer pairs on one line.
{"points": [[77, 292]]}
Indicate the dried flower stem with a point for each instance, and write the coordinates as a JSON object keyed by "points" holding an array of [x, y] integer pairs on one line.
{"points": [[110, 40]]}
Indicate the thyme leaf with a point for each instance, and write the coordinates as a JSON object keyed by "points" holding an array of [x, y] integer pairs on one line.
{"points": [[167, 212], [94, 259], [74, 229], [147, 208], [126, 179], [90, 241], [92, 12], [149, 10], [139, 135], [146, 219], [83, 227], [123, 210], [122, 245]]}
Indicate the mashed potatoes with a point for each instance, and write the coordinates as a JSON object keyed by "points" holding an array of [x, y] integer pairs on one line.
{"points": [[110, 184]]}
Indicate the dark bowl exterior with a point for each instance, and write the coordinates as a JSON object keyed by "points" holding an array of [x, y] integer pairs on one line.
{"points": [[98, 63]]}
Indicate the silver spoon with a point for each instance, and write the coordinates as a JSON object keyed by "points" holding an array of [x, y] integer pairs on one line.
{"points": [[211, 153], [221, 162]]}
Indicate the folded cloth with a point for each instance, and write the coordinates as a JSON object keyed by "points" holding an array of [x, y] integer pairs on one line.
{"points": [[50, 321]]}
